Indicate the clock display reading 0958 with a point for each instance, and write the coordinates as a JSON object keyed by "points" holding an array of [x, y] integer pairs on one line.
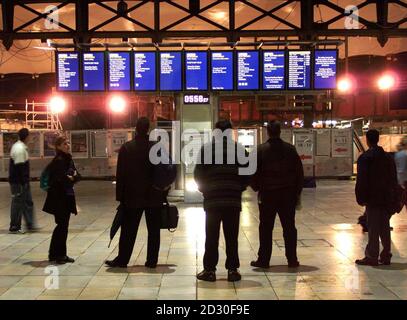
{"points": [[196, 99]]}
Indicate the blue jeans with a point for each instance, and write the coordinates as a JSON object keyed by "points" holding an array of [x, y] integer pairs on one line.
{"points": [[21, 205]]}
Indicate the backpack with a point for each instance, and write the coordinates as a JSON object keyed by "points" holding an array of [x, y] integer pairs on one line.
{"points": [[44, 180]]}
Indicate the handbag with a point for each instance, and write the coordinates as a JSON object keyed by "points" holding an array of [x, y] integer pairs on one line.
{"points": [[169, 217]]}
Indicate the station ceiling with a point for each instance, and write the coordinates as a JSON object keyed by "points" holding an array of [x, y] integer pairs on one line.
{"points": [[32, 56]]}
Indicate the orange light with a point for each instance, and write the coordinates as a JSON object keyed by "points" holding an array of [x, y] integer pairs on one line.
{"points": [[57, 105], [117, 104], [345, 85], [386, 82]]}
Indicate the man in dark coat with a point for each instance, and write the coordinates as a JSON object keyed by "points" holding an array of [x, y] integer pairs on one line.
{"points": [[279, 180], [135, 193], [222, 188], [375, 186]]}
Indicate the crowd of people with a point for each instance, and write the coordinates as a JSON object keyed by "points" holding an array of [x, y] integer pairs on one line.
{"points": [[279, 179]]}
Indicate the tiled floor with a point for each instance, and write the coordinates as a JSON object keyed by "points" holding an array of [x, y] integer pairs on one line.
{"points": [[329, 242]]}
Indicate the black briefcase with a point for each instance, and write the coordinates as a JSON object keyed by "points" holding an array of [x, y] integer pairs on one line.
{"points": [[169, 217]]}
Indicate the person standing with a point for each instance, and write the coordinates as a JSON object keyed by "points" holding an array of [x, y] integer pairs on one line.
{"points": [[376, 181], [279, 180], [60, 200], [19, 179], [134, 191], [400, 159], [222, 188]]}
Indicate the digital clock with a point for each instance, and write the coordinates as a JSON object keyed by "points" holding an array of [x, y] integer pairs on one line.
{"points": [[196, 99]]}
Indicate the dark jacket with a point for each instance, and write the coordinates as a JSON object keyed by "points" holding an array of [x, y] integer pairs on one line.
{"points": [[60, 195], [220, 184], [134, 176], [376, 178], [279, 167]]}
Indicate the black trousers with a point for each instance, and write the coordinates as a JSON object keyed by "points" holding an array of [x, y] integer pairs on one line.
{"points": [[282, 203], [378, 222], [128, 234], [229, 217], [57, 248]]}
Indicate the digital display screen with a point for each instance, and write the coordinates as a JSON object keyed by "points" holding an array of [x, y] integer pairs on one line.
{"points": [[196, 99], [299, 70], [170, 71], [68, 71], [145, 71], [196, 70], [222, 70], [325, 69], [248, 70], [274, 70], [93, 64], [119, 71]]}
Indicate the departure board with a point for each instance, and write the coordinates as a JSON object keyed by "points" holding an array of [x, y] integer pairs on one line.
{"points": [[248, 70], [222, 70], [145, 71], [67, 64], [299, 70], [93, 64], [119, 71], [274, 70], [325, 62], [196, 70], [170, 71]]}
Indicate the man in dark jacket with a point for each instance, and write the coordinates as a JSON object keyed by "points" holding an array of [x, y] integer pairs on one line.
{"points": [[375, 186], [19, 179], [222, 188], [279, 180], [135, 193]]}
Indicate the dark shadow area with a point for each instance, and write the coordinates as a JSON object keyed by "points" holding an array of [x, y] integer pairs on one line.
{"points": [[286, 269], [394, 266], [161, 268], [39, 264], [222, 283]]}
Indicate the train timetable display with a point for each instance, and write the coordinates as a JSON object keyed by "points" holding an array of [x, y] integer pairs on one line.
{"points": [[247, 70], [299, 70], [145, 71], [170, 71], [196, 70], [222, 70], [119, 71], [93, 65], [325, 62], [274, 70], [67, 64]]}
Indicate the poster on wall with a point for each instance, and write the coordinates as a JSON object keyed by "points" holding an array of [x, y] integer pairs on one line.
{"points": [[323, 142], [49, 143], [304, 143], [99, 144], [287, 135], [118, 139], [342, 143], [9, 138], [79, 144], [34, 145]]}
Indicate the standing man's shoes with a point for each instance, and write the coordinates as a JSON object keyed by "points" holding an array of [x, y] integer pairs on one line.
{"points": [[367, 262], [234, 275], [114, 264], [259, 264], [293, 264], [385, 260], [16, 231], [207, 276]]}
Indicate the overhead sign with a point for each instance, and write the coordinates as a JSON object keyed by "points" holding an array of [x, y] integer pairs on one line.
{"points": [[325, 69], [170, 71], [222, 70], [248, 70], [299, 70], [145, 71], [119, 71], [196, 70], [274, 70], [67, 64], [93, 64]]}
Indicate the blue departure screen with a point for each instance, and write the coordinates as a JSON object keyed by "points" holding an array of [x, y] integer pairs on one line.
{"points": [[299, 70], [119, 71], [274, 70], [247, 70], [222, 70], [93, 64], [325, 69], [145, 71], [170, 71], [68, 71], [196, 70]]}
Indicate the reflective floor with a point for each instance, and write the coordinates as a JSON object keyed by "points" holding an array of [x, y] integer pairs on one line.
{"points": [[329, 242]]}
